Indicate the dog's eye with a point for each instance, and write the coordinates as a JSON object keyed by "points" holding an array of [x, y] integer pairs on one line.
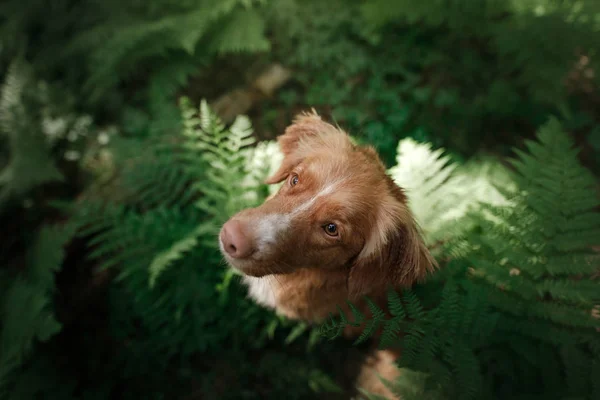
{"points": [[331, 229], [294, 180]]}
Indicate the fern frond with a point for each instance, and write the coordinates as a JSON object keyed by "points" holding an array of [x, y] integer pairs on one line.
{"points": [[550, 311], [357, 315], [242, 32], [132, 240], [577, 367], [157, 176], [164, 259], [32, 320], [115, 49], [376, 319], [228, 175], [467, 371], [412, 305], [537, 254], [441, 192], [425, 175], [26, 309], [296, 332], [221, 150], [395, 304], [524, 281], [390, 335], [331, 329]]}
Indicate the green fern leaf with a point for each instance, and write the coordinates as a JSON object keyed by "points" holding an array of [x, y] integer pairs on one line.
{"points": [[166, 258], [26, 308], [358, 317], [296, 332], [243, 31], [441, 192], [376, 319], [331, 329], [412, 305], [395, 304]]}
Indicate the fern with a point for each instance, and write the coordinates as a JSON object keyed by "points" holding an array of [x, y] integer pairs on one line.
{"points": [[426, 176], [161, 239], [377, 317], [131, 242], [244, 31], [449, 333], [519, 301], [213, 168], [165, 259], [30, 163], [504, 24], [233, 177], [154, 176], [221, 150], [133, 36], [441, 192], [554, 221], [27, 311]]}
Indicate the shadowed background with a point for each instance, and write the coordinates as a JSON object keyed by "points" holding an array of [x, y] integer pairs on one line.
{"points": [[131, 130]]}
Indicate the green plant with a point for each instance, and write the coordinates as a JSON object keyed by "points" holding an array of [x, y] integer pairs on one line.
{"points": [[166, 228], [171, 300], [123, 294], [115, 39], [30, 163], [32, 289], [465, 75], [39, 135], [514, 312], [440, 191]]}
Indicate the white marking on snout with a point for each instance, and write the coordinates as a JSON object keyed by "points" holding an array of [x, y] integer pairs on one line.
{"points": [[270, 227]]}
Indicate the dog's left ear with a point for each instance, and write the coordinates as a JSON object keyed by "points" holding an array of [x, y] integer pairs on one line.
{"points": [[395, 254], [307, 133]]}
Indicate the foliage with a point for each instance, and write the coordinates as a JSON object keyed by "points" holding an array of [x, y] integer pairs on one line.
{"points": [[441, 191], [232, 182], [114, 38], [460, 74], [25, 169], [161, 246], [518, 303], [170, 294], [39, 134], [32, 289], [112, 191]]}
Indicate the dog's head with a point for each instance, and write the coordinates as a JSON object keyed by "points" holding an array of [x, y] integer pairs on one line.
{"points": [[337, 209]]}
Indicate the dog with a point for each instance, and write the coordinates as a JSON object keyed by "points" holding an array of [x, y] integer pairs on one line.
{"points": [[338, 229]]}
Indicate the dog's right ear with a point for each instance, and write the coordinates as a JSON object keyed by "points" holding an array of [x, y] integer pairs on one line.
{"points": [[307, 134]]}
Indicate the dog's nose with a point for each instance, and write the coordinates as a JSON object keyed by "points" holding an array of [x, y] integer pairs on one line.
{"points": [[235, 242]]}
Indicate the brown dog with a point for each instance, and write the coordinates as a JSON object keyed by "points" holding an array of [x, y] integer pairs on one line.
{"points": [[338, 229]]}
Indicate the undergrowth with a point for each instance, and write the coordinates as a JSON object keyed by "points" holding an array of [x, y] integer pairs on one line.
{"points": [[514, 313]]}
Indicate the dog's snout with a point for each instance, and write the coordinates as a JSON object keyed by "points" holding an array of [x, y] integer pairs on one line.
{"points": [[235, 241]]}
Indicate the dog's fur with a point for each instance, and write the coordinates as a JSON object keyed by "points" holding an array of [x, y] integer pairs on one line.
{"points": [[295, 266]]}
